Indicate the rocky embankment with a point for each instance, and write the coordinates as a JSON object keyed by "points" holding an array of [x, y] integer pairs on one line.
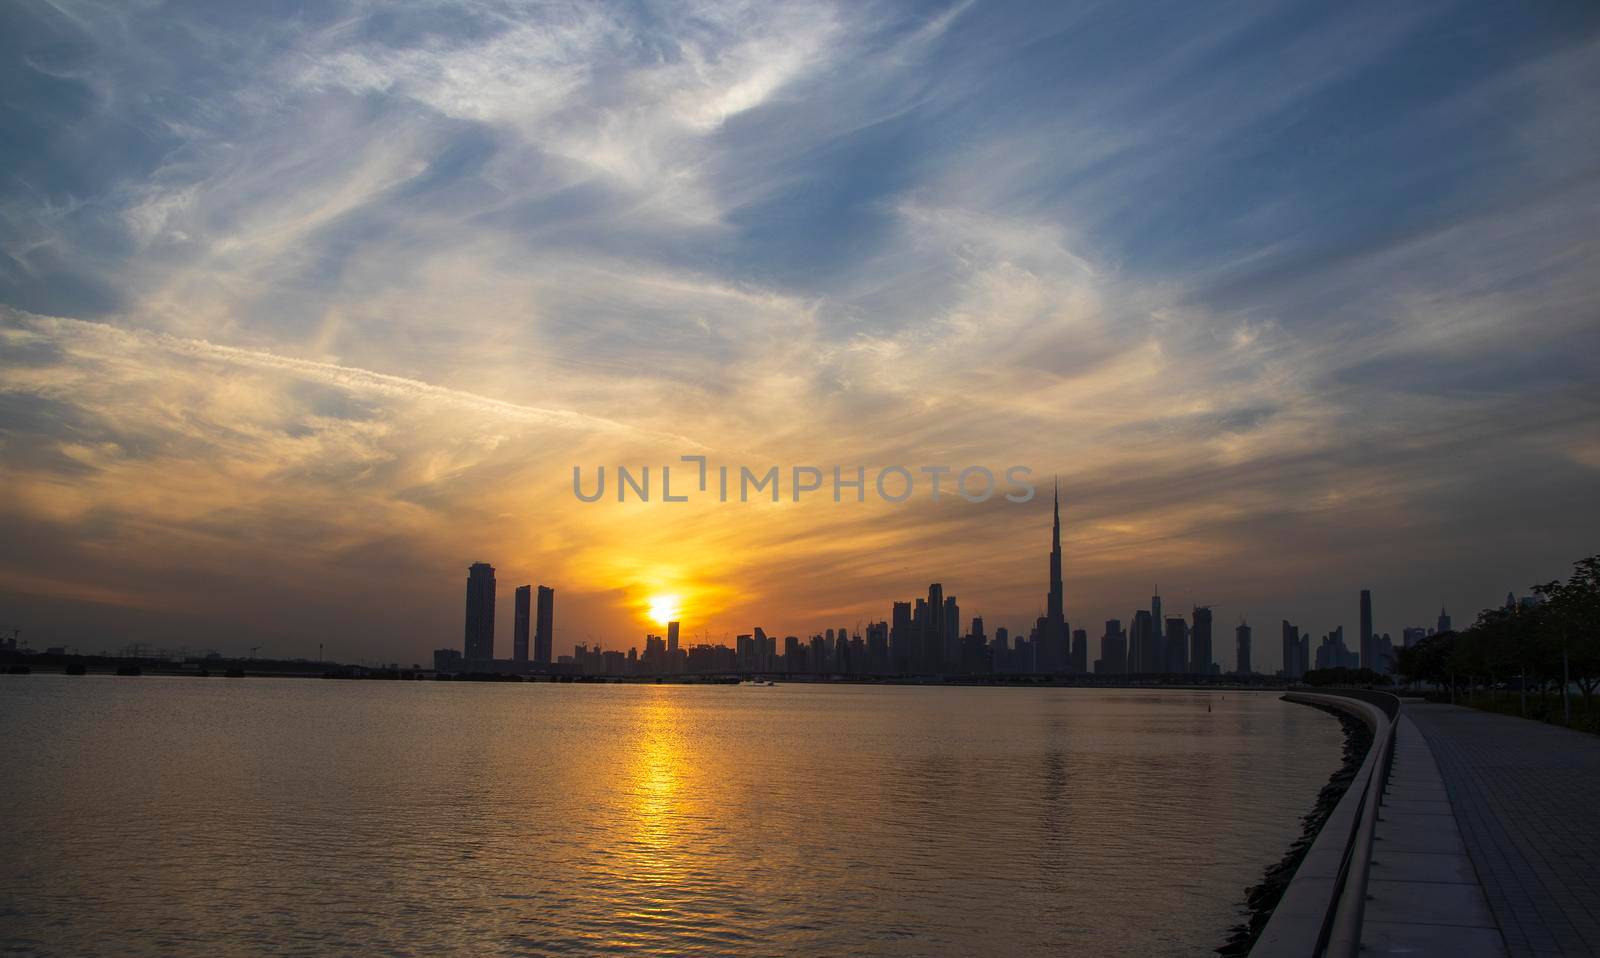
{"points": [[1263, 897]]}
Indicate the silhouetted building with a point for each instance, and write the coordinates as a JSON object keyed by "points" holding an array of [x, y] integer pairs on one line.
{"points": [[1000, 651], [1383, 654], [519, 629], [901, 639], [766, 650], [1144, 645], [1334, 654], [1080, 651], [544, 626], [950, 656], [654, 659], [1444, 620], [1241, 649], [933, 631], [479, 644], [1020, 659], [1200, 658], [878, 646], [1369, 658], [1052, 652], [1411, 636], [1113, 650], [447, 660], [1294, 659], [1177, 645]]}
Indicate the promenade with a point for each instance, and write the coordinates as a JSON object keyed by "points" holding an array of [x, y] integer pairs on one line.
{"points": [[1525, 798], [1423, 896], [1485, 842]]}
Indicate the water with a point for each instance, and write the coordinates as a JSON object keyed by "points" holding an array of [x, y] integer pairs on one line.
{"points": [[193, 816]]}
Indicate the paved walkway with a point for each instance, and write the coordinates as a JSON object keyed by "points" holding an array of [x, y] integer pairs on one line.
{"points": [[1526, 801], [1423, 895]]}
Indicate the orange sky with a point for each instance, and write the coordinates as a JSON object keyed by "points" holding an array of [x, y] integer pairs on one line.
{"points": [[292, 331]]}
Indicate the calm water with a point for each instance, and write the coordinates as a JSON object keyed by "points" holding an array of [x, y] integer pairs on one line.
{"points": [[198, 816]]}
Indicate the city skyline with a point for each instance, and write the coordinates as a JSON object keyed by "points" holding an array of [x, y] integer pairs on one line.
{"points": [[925, 636], [294, 329], [800, 477]]}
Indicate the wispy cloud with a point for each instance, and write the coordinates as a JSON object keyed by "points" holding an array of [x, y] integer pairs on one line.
{"points": [[328, 306]]}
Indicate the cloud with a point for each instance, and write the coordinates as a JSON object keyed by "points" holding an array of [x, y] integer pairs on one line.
{"points": [[321, 308]]}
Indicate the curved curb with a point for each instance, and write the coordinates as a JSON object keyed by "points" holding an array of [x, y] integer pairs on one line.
{"points": [[1320, 911]]}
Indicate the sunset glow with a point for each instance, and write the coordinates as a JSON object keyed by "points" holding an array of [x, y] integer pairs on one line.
{"points": [[295, 332], [665, 608]]}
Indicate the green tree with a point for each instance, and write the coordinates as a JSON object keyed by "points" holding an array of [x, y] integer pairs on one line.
{"points": [[1572, 621]]}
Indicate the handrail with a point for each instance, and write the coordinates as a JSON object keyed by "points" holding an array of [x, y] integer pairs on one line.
{"points": [[1341, 926], [1321, 909]]}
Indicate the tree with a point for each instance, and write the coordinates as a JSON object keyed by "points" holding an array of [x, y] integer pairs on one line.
{"points": [[1427, 660], [1572, 614]]}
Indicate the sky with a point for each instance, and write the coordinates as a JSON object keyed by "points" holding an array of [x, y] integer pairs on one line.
{"points": [[305, 308]]}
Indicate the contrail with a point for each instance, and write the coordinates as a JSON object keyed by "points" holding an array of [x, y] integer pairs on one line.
{"points": [[352, 378]]}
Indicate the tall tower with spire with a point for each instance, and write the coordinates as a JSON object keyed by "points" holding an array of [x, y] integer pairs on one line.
{"points": [[1055, 633]]}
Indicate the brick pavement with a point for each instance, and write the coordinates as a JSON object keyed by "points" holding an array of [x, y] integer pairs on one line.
{"points": [[1526, 798]]}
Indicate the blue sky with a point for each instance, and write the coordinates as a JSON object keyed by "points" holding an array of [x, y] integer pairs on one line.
{"points": [[308, 304]]}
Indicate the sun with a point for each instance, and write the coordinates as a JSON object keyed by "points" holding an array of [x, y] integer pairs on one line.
{"points": [[665, 608]]}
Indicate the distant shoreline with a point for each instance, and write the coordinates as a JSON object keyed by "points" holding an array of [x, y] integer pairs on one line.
{"points": [[132, 668]]}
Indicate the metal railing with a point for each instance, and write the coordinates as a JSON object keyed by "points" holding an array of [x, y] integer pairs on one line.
{"points": [[1321, 910], [1341, 925]]}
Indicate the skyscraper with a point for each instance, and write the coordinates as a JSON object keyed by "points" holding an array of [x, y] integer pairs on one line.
{"points": [[1080, 652], [1053, 648], [1369, 659], [1144, 645], [519, 629], [933, 631], [901, 654], [1333, 654], [878, 646], [1200, 642], [1444, 620], [951, 655], [544, 626], [1294, 664], [1114, 650], [672, 647], [1000, 650], [1177, 645], [479, 645], [1241, 649]]}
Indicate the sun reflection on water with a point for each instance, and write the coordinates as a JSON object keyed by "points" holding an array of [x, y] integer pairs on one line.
{"points": [[659, 800]]}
